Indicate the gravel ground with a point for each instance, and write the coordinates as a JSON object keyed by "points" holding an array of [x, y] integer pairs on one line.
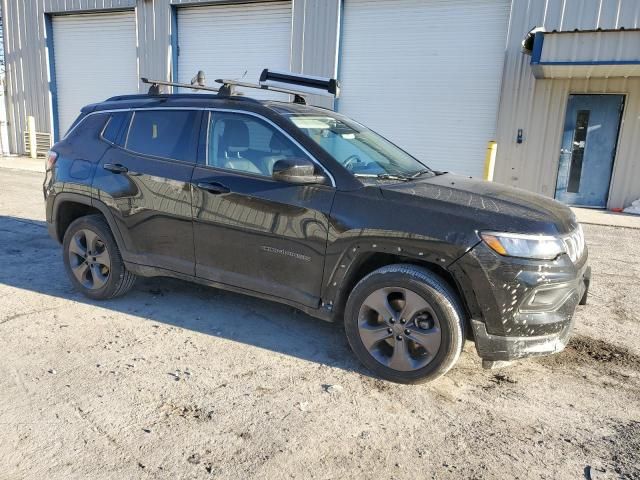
{"points": [[181, 381]]}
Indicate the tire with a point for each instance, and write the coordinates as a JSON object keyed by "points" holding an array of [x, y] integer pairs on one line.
{"points": [[428, 342], [90, 274]]}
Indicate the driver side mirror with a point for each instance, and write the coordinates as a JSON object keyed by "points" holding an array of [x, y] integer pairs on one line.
{"points": [[297, 170]]}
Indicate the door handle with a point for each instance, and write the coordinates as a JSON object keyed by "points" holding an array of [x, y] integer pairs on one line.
{"points": [[213, 187], [115, 168]]}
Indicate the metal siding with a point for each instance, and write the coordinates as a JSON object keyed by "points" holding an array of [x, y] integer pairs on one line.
{"points": [[313, 48], [26, 60], [538, 106], [609, 46], [154, 40], [314, 45], [69, 6], [426, 75]]}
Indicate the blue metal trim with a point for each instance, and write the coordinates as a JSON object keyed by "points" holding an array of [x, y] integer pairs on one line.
{"points": [[336, 101], [174, 43], [538, 41], [53, 88]]}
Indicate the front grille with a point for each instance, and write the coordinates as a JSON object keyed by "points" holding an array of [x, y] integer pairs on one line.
{"points": [[574, 243]]}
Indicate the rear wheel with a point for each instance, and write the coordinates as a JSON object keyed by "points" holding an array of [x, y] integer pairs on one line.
{"points": [[405, 324], [93, 261]]}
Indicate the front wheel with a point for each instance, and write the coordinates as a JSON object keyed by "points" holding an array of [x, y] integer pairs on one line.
{"points": [[405, 324], [92, 259]]}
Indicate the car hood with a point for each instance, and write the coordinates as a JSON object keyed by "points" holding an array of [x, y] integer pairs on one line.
{"points": [[488, 205]]}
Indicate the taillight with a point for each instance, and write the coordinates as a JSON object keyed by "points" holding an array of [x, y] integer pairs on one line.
{"points": [[51, 159]]}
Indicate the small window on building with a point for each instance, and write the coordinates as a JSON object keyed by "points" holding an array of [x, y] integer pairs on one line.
{"points": [[114, 126], [169, 134], [577, 152]]}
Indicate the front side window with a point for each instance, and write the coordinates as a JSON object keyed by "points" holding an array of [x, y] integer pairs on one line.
{"points": [[247, 144], [169, 134], [358, 149]]}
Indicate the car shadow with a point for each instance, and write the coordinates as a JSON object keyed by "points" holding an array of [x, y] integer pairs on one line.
{"points": [[31, 260]]}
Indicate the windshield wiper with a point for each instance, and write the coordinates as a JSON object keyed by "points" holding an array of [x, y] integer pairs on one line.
{"points": [[390, 176], [383, 176], [421, 172]]}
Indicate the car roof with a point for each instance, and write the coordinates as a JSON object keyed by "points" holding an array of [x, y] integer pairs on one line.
{"points": [[198, 100]]}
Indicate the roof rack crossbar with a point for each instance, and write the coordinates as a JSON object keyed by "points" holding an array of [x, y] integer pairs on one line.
{"points": [[228, 89], [155, 86]]}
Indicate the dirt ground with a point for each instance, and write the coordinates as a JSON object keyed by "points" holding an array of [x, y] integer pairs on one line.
{"points": [[181, 381]]}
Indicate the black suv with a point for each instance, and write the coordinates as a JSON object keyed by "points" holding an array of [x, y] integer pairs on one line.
{"points": [[306, 207]]}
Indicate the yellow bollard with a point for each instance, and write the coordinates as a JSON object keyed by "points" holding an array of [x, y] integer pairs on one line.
{"points": [[490, 160], [31, 129]]}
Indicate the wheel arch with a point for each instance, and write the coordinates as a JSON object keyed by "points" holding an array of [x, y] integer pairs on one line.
{"points": [[367, 262], [68, 207]]}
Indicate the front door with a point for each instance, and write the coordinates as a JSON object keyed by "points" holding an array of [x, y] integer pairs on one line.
{"points": [[250, 230], [588, 149]]}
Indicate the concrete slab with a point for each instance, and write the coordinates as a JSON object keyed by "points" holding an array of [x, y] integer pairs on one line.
{"points": [[22, 163], [607, 218]]}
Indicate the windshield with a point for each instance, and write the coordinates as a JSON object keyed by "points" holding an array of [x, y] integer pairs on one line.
{"points": [[358, 149]]}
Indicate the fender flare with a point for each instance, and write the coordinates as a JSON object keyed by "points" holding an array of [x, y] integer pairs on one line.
{"points": [[69, 197], [353, 255]]}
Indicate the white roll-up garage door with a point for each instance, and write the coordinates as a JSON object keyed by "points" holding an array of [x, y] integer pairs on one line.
{"points": [[426, 74], [225, 41], [95, 58]]}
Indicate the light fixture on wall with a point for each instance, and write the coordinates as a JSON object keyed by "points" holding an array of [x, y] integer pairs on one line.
{"points": [[527, 43]]}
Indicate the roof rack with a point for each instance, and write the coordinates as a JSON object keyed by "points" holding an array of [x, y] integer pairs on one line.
{"points": [[155, 85], [302, 83], [275, 81], [228, 89]]}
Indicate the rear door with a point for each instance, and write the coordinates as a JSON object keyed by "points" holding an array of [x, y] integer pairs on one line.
{"points": [[251, 231], [145, 180]]}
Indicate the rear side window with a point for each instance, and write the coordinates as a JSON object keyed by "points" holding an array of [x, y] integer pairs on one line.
{"points": [[164, 133], [88, 127], [114, 126]]}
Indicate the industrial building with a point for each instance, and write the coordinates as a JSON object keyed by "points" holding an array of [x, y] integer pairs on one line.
{"points": [[441, 78]]}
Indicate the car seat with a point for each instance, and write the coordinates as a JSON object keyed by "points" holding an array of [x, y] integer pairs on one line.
{"points": [[279, 150], [234, 142]]}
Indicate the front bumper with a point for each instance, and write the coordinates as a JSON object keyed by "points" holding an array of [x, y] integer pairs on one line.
{"points": [[504, 326]]}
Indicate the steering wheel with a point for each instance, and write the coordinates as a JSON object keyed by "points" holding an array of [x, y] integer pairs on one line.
{"points": [[351, 160]]}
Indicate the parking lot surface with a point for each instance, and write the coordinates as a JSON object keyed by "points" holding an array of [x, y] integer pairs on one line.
{"points": [[182, 381]]}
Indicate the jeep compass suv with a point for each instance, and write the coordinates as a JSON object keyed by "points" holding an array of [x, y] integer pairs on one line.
{"points": [[304, 206]]}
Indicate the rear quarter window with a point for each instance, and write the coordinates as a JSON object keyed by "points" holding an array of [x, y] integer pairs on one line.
{"points": [[171, 134], [89, 126], [113, 129]]}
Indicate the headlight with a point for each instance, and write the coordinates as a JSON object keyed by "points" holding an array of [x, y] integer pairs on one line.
{"points": [[539, 247], [574, 244]]}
